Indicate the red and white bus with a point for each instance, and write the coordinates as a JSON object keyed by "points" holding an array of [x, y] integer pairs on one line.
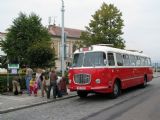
{"points": [[103, 69]]}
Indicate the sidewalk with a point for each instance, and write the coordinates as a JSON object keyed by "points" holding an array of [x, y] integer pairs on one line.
{"points": [[10, 102]]}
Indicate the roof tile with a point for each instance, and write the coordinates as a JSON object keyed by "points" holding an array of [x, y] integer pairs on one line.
{"points": [[56, 31]]}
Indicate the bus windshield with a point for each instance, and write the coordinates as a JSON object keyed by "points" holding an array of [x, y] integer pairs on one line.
{"points": [[89, 59], [78, 60]]}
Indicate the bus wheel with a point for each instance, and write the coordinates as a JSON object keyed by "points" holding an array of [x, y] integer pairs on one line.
{"points": [[116, 90], [82, 94], [145, 82]]}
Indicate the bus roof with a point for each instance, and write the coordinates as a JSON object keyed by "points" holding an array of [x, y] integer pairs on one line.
{"points": [[109, 49]]}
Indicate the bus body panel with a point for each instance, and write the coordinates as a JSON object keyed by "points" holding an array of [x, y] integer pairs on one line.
{"points": [[101, 79], [129, 77]]}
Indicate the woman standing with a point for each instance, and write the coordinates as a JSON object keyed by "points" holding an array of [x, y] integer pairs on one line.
{"points": [[43, 79]]}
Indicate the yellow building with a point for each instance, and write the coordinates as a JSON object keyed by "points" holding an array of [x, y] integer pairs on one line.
{"points": [[73, 35]]}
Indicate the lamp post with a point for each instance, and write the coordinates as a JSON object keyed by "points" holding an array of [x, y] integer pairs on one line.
{"points": [[62, 39]]}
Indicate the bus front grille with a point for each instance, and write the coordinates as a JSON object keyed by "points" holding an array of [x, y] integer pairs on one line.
{"points": [[82, 78]]}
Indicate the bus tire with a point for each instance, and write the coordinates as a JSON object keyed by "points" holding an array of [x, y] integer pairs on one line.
{"points": [[82, 94], [116, 90], [145, 82]]}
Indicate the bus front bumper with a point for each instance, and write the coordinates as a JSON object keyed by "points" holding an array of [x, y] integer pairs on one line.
{"points": [[100, 89]]}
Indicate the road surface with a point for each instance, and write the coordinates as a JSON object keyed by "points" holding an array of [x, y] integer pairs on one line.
{"points": [[133, 104]]}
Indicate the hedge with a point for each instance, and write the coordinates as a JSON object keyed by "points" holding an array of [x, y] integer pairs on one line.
{"points": [[9, 77], [3, 81]]}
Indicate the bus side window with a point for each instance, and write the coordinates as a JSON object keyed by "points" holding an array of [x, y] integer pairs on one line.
{"points": [[142, 61], [132, 60], [149, 62], [138, 61], [111, 61], [126, 60], [146, 61], [119, 58]]}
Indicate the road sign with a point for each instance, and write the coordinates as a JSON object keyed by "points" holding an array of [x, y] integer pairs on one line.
{"points": [[11, 66]]}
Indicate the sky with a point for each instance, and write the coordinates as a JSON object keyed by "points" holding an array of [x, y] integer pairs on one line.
{"points": [[141, 18]]}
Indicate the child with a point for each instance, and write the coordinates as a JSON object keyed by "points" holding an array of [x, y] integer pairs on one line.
{"points": [[33, 86]]}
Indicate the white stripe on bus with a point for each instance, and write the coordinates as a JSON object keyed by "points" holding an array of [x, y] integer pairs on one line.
{"points": [[132, 78]]}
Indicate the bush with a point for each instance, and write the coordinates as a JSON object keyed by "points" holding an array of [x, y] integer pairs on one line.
{"points": [[9, 77], [3, 83]]}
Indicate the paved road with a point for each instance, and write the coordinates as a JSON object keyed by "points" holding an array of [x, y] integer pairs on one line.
{"points": [[133, 104], [145, 106]]}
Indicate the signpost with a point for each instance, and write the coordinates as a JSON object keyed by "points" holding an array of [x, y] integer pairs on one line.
{"points": [[13, 68]]}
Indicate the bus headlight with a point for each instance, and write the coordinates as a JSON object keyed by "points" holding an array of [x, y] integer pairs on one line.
{"points": [[98, 81]]}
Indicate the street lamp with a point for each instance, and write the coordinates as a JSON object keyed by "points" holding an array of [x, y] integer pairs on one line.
{"points": [[62, 39]]}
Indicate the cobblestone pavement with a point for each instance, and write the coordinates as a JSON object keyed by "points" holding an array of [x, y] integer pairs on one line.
{"points": [[9, 102]]}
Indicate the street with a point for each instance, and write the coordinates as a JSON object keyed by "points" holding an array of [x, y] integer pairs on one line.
{"points": [[134, 104]]}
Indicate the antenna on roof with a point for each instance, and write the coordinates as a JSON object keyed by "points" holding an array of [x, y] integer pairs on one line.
{"points": [[135, 51]]}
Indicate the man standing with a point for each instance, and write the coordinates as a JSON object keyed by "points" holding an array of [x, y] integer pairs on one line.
{"points": [[28, 77], [53, 83]]}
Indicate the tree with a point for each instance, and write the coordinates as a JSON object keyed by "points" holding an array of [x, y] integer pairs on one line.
{"points": [[40, 55], [24, 33], [3, 62], [105, 27]]}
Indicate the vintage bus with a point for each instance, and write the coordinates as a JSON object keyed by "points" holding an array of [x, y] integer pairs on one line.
{"points": [[103, 69]]}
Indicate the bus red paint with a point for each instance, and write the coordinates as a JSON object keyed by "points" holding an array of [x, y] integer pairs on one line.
{"points": [[103, 69]]}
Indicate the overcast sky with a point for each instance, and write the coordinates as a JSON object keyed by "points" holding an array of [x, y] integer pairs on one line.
{"points": [[141, 18]]}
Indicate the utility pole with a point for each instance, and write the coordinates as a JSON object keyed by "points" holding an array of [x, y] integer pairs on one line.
{"points": [[62, 39]]}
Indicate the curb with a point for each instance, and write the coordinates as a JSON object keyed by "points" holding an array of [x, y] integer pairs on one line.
{"points": [[36, 104]]}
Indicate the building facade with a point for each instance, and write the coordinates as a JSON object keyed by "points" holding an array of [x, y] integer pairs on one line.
{"points": [[72, 36]]}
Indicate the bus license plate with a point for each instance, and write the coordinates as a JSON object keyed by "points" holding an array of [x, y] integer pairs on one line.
{"points": [[81, 88]]}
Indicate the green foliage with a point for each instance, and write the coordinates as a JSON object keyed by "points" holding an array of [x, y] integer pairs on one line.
{"points": [[25, 31], [3, 82], [41, 55], [3, 61], [105, 27]]}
